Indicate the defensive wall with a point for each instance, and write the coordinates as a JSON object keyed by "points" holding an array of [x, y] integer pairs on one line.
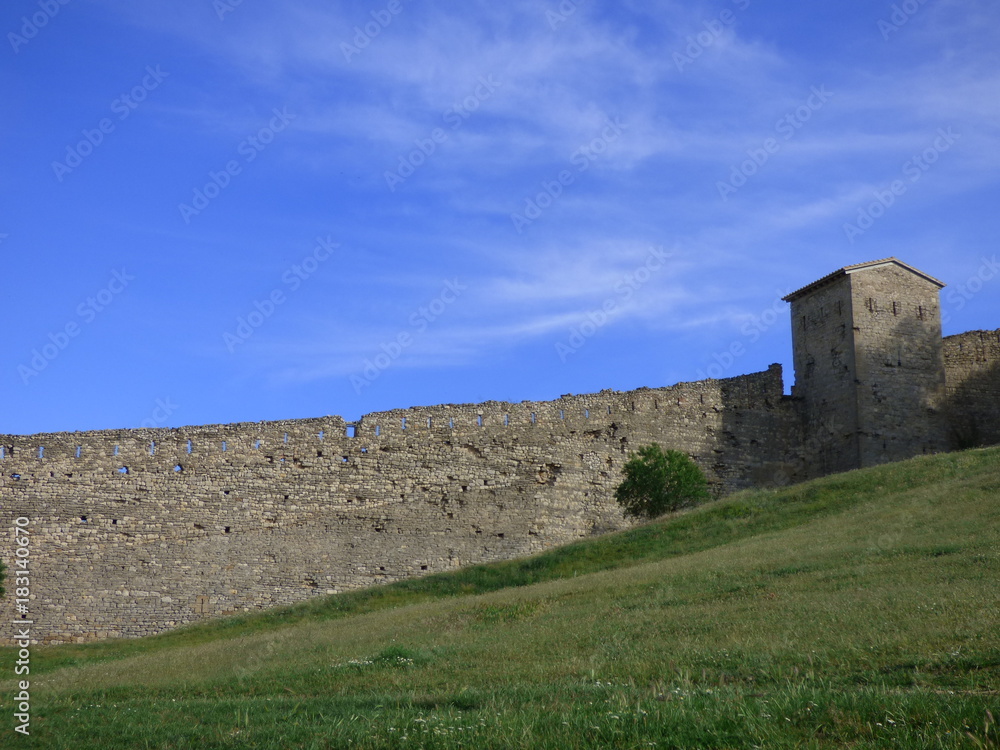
{"points": [[134, 532], [137, 531], [972, 388]]}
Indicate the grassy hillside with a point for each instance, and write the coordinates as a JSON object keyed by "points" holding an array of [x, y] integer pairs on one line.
{"points": [[859, 610]]}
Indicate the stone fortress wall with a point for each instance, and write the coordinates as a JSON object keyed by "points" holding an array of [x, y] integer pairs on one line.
{"points": [[138, 531], [972, 388]]}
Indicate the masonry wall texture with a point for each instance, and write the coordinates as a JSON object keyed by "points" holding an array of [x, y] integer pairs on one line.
{"points": [[138, 531], [972, 388], [868, 349]]}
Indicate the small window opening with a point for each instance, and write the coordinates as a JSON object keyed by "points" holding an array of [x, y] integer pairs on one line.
{"points": [[402, 422], [79, 449], [479, 420], [451, 424], [227, 530], [114, 521], [609, 410], [430, 423], [224, 446], [320, 436], [123, 470], [256, 445], [506, 420], [83, 518], [352, 431], [344, 459], [178, 467], [586, 413], [116, 451], [364, 450], [534, 417], [378, 430], [3, 452], [189, 447], [286, 437], [152, 448], [41, 451], [15, 476], [562, 414]]}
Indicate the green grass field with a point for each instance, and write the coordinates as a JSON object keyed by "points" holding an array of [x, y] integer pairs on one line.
{"points": [[859, 610]]}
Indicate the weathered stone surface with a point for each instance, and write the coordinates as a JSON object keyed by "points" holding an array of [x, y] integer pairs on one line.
{"points": [[868, 355], [230, 518], [972, 390]]}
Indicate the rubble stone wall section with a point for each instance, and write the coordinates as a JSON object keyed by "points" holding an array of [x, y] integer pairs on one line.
{"points": [[972, 377], [138, 531]]}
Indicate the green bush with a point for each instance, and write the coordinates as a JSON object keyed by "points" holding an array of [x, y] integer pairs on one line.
{"points": [[658, 481]]}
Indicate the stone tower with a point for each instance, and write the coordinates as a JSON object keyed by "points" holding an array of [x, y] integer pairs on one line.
{"points": [[869, 368]]}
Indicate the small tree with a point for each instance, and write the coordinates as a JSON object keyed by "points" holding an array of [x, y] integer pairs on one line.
{"points": [[658, 481]]}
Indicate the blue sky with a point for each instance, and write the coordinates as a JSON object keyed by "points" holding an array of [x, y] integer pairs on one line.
{"points": [[238, 211]]}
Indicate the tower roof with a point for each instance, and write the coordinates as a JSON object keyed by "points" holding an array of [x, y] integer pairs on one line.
{"points": [[847, 270]]}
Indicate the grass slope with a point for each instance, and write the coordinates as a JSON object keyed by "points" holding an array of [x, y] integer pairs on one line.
{"points": [[859, 610]]}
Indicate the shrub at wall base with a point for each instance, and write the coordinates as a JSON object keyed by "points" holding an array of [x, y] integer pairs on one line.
{"points": [[658, 481]]}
